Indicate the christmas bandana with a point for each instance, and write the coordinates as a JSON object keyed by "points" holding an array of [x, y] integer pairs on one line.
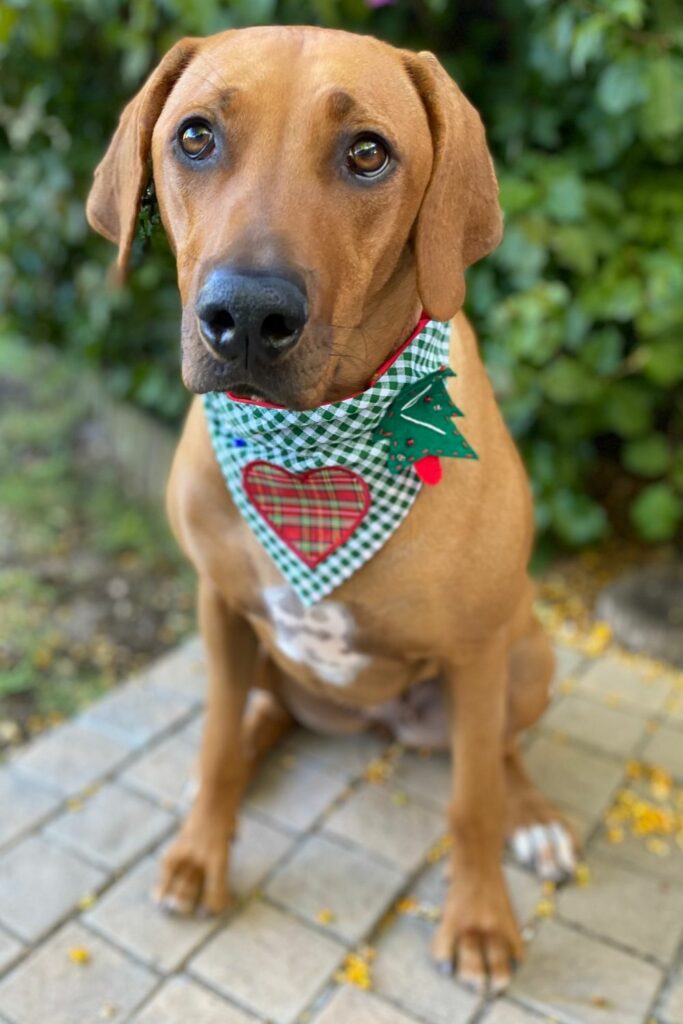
{"points": [[316, 487]]}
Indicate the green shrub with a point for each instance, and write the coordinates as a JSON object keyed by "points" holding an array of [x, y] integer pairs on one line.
{"points": [[580, 311]]}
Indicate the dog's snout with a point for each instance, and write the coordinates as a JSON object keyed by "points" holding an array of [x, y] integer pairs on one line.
{"points": [[239, 310]]}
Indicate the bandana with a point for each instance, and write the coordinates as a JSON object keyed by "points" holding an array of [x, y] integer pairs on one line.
{"points": [[315, 486]]}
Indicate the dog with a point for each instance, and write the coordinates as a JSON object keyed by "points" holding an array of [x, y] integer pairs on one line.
{"points": [[323, 194]]}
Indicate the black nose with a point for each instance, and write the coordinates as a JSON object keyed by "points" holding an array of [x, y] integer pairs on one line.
{"points": [[239, 311]]}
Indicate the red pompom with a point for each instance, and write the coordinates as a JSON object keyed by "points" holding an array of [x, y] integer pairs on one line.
{"points": [[429, 470]]}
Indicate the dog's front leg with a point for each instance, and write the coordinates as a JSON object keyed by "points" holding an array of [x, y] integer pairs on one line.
{"points": [[194, 870], [478, 929]]}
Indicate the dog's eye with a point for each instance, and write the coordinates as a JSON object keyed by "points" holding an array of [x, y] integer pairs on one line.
{"points": [[367, 156], [196, 140]]}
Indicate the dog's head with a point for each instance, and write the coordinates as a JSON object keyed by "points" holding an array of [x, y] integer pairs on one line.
{"points": [[317, 188]]}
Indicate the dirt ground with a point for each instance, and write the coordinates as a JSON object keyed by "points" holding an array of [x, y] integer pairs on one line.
{"points": [[91, 584]]}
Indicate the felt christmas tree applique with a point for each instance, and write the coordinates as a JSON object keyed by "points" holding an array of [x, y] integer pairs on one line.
{"points": [[420, 429]]}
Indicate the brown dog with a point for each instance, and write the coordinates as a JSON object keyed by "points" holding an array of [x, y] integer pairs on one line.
{"points": [[356, 178]]}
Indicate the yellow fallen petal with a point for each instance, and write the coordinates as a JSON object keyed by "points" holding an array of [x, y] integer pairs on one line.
{"points": [[583, 875], [440, 848], [324, 916], [86, 901], [79, 955], [356, 971], [545, 908], [406, 905], [615, 835]]}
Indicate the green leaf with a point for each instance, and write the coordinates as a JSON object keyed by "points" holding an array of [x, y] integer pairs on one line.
{"points": [[517, 194], [622, 86], [573, 248], [565, 200], [577, 519], [566, 382], [657, 512], [647, 456], [662, 361], [662, 114], [589, 41], [627, 409], [603, 351]]}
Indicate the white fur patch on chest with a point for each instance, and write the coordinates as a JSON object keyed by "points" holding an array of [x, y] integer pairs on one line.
{"points": [[319, 637]]}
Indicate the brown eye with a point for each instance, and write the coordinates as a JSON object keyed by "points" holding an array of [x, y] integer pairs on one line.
{"points": [[196, 140], [367, 157]]}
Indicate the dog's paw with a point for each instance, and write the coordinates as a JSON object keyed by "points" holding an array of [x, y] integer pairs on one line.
{"points": [[478, 939], [194, 874], [548, 849]]}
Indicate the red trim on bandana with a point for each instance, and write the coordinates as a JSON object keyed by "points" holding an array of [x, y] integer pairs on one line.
{"points": [[422, 322], [314, 512]]}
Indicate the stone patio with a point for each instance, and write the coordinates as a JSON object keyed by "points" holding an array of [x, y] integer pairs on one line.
{"points": [[327, 850]]}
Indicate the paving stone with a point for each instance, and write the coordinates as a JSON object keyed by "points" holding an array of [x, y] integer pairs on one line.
{"points": [[351, 1006], [578, 980], [505, 1012], [39, 885], [268, 962], [343, 755], [167, 773], [10, 951], [645, 914], [323, 875], [183, 670], [401, 832], [138, 713], [633, 853], [568, 663], [405, 973], [180, 1001], [672, 1003], [674, 707], [614, 730], [128, 916], [616, 682], [293, 796], [48, 986], [256, 850], [112, 828], [575, 778], [25, 804], [71, 758], [428, 777], [665, 749]]}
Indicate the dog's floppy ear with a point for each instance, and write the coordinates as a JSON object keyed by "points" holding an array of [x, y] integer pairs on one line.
{"points": [[460, 219], [121, 177]]}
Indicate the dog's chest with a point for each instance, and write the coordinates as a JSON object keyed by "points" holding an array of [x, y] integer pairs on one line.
{"points": [[321, 637]]}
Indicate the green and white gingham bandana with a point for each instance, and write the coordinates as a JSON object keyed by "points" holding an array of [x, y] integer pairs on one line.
{"points": [[314, 486]]}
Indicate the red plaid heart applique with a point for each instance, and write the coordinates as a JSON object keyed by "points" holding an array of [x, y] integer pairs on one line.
{"points": [[314, 512]]}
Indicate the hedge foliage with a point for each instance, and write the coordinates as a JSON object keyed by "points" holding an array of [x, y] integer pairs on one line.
{"points": [[580, 310]]}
